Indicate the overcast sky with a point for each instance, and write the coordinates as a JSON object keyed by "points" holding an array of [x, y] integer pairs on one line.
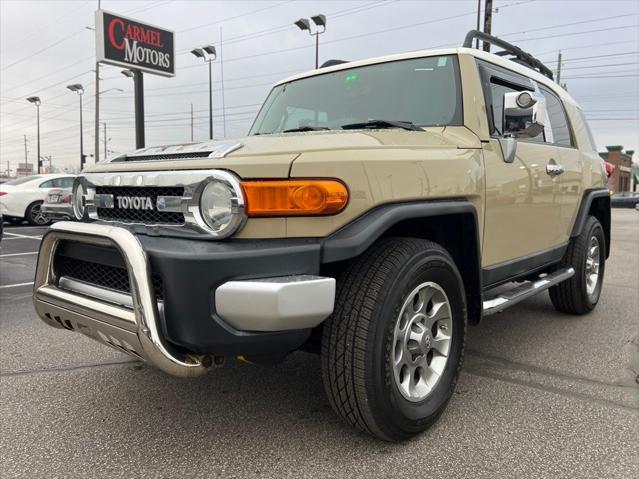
{"points": [[45, 46]]}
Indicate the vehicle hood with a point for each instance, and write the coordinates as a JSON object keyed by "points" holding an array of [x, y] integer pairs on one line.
{"points": [[272, 155]]}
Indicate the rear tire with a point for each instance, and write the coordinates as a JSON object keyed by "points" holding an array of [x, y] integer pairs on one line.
{"points": [[400, 316], [34, 215], [587, 255]]}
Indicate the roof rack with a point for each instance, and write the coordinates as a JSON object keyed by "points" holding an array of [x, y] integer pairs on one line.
{"points": [[519, 56]]}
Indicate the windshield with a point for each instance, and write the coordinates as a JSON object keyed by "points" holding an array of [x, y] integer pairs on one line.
{"points": [[423, 91], [24, 179]]}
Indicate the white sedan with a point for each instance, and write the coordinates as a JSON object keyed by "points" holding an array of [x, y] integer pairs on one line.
{"points": [[22, 198]]}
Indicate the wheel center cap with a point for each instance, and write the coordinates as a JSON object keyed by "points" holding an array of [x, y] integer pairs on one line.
{"points": [[426, 342]]}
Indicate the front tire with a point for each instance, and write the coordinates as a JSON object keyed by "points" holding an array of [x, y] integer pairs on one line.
{"points": [[393, 348], [34, 215], [587, 255]]}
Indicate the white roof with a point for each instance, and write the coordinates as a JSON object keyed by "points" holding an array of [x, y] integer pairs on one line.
{"points": [[490, 57]]}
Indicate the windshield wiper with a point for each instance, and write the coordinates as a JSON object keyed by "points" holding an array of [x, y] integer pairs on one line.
{"points": [[375, 124], [306, 128]]}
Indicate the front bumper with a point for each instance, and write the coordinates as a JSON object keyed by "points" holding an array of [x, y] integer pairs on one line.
{"points": [[54, 211], [250, 298]]}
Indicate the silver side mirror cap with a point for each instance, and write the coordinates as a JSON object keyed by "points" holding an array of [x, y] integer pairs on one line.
{"points": [[525, 114]]}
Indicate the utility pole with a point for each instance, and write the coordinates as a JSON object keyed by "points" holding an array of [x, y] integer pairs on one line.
{"points": [[478, 19], [26, 157], [105, 140], [97, 104], [222, 80], [191, 122], [488, 21], [559, 68]]}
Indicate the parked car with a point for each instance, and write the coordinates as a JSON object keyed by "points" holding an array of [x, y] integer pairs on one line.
{"points": [[57, 205], [21, 199], [625, 199], [374, 211]]}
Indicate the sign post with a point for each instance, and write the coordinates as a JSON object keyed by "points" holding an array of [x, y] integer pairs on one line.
{"points": [[140, 47]]}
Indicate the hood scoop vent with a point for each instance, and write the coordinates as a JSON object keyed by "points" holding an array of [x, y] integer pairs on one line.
{"points": [[208, 149]]}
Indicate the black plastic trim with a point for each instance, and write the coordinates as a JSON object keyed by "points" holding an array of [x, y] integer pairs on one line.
{"points": [[357, 236], [584, 208], [191, 271], [517, 268]]}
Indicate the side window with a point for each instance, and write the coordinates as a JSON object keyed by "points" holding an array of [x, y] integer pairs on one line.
{"points": [[65, 182], [583, 124], [558, 120], [47, 184], [498, 89]]}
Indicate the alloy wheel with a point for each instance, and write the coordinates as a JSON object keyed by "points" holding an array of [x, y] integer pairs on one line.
{"points": [[422, 341]]}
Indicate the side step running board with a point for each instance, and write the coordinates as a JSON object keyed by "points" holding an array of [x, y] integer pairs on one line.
{"points": [[513, 296]]}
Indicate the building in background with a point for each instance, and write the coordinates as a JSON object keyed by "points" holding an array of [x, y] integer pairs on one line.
{"points": [[621, 177], [24, 169]]}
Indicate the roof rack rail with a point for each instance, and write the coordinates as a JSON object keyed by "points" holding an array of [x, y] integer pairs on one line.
{"points": [[520, 56]]}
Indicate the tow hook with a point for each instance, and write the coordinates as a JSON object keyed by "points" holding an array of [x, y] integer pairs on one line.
{"points": [[218, 361]]}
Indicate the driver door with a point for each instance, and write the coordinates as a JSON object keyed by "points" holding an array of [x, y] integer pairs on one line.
{"points": [[522, 200]]}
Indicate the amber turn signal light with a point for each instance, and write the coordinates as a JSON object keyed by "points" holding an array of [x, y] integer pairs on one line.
{"points": [[294, 197]]}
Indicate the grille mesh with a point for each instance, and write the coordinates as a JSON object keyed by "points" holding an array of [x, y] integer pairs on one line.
{"points": [[140, 216], [105, 276]]}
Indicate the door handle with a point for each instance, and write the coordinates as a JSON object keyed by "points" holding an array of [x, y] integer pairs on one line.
{"points": [[554, 169]]}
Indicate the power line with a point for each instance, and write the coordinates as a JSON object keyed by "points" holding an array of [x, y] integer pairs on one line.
{"points": [[233, 17], [600, 76], [51, 23], [622, 27], [599, 56], [605, 65], [562, 25], [42, 50]]}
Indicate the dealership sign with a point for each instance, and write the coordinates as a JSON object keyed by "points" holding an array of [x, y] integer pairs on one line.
{"points": [[128, 43]]}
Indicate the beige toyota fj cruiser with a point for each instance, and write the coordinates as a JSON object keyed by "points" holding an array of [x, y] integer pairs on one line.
{"points": [[369, 216]]}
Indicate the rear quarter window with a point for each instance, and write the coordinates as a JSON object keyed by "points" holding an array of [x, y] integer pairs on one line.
{"points": [[558, 119]]}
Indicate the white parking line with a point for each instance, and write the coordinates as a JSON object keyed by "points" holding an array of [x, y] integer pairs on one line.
{"points": [[15, 285], [17, 254], [22, 236]]}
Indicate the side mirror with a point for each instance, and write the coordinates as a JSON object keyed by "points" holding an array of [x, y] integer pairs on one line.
{"points": [[525, 114]]}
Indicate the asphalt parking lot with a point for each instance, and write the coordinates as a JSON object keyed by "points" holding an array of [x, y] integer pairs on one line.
{"points": [[541, 395]]}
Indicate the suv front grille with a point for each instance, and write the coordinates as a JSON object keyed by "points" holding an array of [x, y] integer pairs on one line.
{"points": [[126, 215], [104, 276]]}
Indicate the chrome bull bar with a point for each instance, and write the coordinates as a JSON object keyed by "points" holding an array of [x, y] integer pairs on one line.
{"points": [[136, 331]]}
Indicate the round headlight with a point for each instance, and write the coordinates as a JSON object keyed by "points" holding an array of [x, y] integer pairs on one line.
{"points": [[78, 199], [222, 206]]}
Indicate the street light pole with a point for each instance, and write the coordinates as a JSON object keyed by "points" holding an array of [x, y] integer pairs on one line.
{"points": [[36, 101], [79, 89], [320, 22], [210, 100], [208, 54], [105, 140]]}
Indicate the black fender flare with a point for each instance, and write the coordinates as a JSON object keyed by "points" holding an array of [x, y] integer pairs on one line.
{"points": [[585, 207], [357, 236]]}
